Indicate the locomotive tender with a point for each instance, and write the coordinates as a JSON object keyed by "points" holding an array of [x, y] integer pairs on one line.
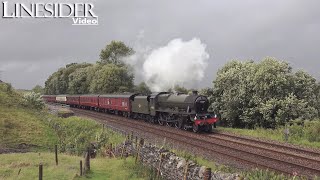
{"points": [[182, 111]]}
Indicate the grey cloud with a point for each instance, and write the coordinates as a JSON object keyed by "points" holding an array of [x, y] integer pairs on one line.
{"points": [[231, 29]]}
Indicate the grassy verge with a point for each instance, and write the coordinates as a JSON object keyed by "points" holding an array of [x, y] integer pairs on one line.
{"points": [[68, 168], [22, 126], [307, 135], [75, 134], [248, 174]]}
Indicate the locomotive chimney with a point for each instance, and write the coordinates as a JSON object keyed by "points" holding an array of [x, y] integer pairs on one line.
{"points": [[195, 92]]}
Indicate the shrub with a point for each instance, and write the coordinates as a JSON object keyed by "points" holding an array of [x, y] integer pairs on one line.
{"points": [[33, 100], [312, 130]]}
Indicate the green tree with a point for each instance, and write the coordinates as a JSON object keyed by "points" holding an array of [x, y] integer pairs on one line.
{"points": [[180, 89], [317, 92], [38, 89], [113, 53], [111, 78], [58, 82], [206, 92], [267, 94], [142, 88], [79, 80]]}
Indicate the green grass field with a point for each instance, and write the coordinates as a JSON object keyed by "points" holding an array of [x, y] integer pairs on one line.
{"points": [[68, 168]]}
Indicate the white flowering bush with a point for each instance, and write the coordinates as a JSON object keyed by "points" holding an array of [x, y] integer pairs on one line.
{"points": [[33, 100]]}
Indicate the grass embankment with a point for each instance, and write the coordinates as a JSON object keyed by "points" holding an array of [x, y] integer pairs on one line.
{"points": [[68, 168], [38, 131], [20, 126], [307, 135], [76, 133]]}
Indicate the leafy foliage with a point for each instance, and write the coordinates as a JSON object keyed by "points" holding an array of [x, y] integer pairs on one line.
{"points": [[142, 88], [58, 82], [111, 78], [38, 89], [79, 80], [113, 53], [267, 94], [109, 75], [33, 100]]}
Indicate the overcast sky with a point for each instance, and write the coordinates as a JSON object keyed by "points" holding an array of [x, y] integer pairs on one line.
{"points": [[32, 49]]}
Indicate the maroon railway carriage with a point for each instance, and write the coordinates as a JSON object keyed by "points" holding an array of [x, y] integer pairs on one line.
{"points": [[118, 104], [89, 101], [49, 98], [73, 100]]}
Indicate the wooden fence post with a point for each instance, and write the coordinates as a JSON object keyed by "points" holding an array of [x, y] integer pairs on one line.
{"points": [[207, 174], [159, 167], [110, 149], [87, 163], [123, 149], [56, 153], [136, 142], [80, 167], [186, 171], [141, 142], [40, 171]]}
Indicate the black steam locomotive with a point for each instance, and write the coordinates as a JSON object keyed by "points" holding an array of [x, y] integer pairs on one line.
{"points": [[182, 111]]}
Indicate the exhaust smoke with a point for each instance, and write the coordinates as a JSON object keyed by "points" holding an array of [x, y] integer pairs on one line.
{"points": [[180, 63]]}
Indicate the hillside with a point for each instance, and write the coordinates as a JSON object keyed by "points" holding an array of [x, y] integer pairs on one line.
{"points": [[35, 132], [20, 127]]}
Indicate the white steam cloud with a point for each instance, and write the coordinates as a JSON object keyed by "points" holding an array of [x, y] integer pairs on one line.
{"points": [[180, 63]]}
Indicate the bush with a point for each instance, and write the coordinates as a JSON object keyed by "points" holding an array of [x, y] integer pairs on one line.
{"points": [[33, 100], [312, 130], [75, 134]]}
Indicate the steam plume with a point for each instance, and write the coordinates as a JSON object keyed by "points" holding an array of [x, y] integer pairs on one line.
{"points": [[178, 63]]}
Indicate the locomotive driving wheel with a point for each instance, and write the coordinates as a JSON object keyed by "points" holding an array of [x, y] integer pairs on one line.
{"points": [[161, 120], [179, 123], [151, 120], [208, 128], [195, 128]]}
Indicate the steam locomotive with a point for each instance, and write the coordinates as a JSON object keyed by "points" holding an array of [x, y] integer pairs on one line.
{"points": [[183, 111]]}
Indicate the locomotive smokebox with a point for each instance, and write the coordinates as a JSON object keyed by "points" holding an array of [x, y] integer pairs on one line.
{"points": [[195, 92]]}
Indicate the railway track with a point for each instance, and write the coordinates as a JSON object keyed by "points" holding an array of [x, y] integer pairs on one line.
{"points": [[312, 155], [262, 155]]}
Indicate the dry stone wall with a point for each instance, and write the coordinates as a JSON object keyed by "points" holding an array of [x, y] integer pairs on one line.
{"points": [[168, 165]]}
